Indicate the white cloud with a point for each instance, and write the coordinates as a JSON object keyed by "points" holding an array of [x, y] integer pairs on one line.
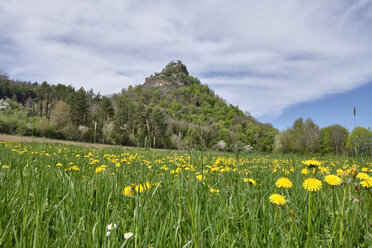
{"points": [[262, 55]]}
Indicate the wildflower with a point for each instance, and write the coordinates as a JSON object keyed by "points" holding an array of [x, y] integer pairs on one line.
{"points": [[362, 176], [312, 163], [277, 199], [95, 161], [250, 181], [292, 213], [367, 183], [129, 190], [157, 184], [332, 180], [214, 191], [143, 187], [100, 169], [283, 183], [341, 172], [128, 235], [304, 171], [199, 177], [59, 164], [312, 184], [5, 167], [111, 226], [324, 170], [75, 168], [107, 233], [353, 171]]}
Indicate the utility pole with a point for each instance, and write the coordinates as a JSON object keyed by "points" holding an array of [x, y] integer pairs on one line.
{"points": [[95, 130]]}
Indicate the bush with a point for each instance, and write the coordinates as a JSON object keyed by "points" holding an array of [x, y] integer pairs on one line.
{"points": [[44, 128], [360, 141]]}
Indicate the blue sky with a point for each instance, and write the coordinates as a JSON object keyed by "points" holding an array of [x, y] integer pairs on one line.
{"points": [[331, 109], [277, 60]]}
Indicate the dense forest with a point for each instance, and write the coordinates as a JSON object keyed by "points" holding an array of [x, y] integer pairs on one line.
{"points": [[170, 110]]}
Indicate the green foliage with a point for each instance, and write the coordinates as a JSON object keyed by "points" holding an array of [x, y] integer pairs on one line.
{"points": [[303, 137], [55, 195], [360, 141], [333, 139], [60, 115], [78, 106], [169, 104]]}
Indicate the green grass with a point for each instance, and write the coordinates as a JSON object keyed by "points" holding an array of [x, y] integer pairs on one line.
{"points": [[45, 205]]}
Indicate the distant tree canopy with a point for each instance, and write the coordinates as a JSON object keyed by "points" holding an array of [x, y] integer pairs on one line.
{"points": [[333, 139], [170, 110], [305, 137], [360, 141], [302, 137]]}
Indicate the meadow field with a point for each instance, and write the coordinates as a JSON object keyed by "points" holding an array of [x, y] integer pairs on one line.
{"points": [[54, 195]]}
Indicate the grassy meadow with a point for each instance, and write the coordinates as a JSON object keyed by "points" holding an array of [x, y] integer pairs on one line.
{"points": [[54, 195]]}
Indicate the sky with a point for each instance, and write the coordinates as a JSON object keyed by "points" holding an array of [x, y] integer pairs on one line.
{"points": [[278, 60]]}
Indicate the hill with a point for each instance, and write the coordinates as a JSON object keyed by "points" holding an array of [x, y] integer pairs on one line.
{"points": [[181, 111], [171, 109]]}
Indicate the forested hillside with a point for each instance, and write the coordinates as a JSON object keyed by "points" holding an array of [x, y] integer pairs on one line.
{"points": [[170, 110]]}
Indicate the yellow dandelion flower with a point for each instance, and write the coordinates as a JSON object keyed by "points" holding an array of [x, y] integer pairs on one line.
{"points": [[199, 177], [74, 168], [312, 163], [283, 182], [367, 183], [312, 184], [304, 171], [365, 169], [250, 181], [362, 176], [277, 199], [143, 187], [100, 169], [59, 164], [214, 191], [332, 180], [5, 167], [129, 190], [157, 184]]}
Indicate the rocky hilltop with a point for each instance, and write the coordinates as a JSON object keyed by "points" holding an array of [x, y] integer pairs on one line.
{"points": [[174, 74]]}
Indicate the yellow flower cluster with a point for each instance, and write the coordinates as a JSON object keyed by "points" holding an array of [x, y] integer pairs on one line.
{"points": [[140, 188], [312, 163], [250, 181], [72, 168]]}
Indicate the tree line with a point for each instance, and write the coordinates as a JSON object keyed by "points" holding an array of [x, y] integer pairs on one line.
{"points": [[307, 137], [181, 114], [171, 110]]}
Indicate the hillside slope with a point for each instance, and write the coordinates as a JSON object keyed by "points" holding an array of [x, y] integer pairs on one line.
{"points": [[171, 109], [180, 111]]}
